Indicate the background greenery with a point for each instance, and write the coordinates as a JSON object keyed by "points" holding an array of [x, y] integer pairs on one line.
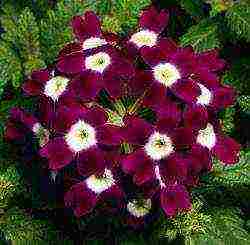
{"points": [[32, 33]]}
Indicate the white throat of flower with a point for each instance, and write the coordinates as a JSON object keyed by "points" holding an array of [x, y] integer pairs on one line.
{"points": [[144, 38], [166, 73], [81, 136], [206, 137], [205, 97], [139, 208], [159, 146], [55, 87], [100, 184], [158, 177], [98, 62], [41, 133], [93, 42]]}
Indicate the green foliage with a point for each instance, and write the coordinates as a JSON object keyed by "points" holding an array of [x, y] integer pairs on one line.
{"points": [[18, 226], [232, 176], [225, 227], [238, 75], [202, 37], [238, 20], [194, 8], [228, 120], [244, 103], [55, 27], [10, 185], [219, 6]]}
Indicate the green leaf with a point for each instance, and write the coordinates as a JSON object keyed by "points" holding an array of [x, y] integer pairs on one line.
{"points": [[244, 103], [194, 8], [203, 36], [238, 20]]}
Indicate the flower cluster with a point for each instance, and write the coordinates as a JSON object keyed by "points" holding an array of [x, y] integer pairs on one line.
{"points": [[164, 158]]}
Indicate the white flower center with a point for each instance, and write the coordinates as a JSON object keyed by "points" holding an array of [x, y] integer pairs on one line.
{"points": [[205, 97], [55, 87], [207, 137], [144, 38], [93, 42], [100, 184], [41, 133], [98, 62], [139, 208], [81, 136], [159, 146], [166, 74], [158, 176]]}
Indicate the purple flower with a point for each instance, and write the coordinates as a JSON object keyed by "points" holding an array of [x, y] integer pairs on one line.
{"points": [[84, 196], [78, 139], [151, 24], [223, 147]]}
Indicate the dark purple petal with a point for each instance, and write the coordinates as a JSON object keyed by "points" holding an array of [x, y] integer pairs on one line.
{"points": [[152, 56], [174, 199], [155, 95], [91, 161], [70, 48], [174, 168], [119, 68], [199, 159], [211, 60], [226, 149], [71, 63], [183, 138], [140, 82], [95, 116], [184, 59], [167, 46], [114, 86], [13, 132], [137, 130], [87, 86], [32, 87], [41, 76], [46, 109], [109, 135], [140, 166], [66, 116], [58, 153], [114, 194], [168, 115], [81, 199], [86, 26], [187, 90], [223, 97], [152, 20], [209, 79], [21, 116], [195, 117]]}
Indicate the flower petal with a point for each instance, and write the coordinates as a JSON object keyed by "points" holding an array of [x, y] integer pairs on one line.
{"points": [[137, 130], [91, 161], [195, 117], [174, 198], [226, 149], [58, 153], [87, 86], [109, 135], [152, 56], [183, 138], [186, 90], [68, 115], [152, 20], [71, 63], [139, 165], [223, 97], [81, 199], [174, 168], [211, 60], [95, 116]]}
